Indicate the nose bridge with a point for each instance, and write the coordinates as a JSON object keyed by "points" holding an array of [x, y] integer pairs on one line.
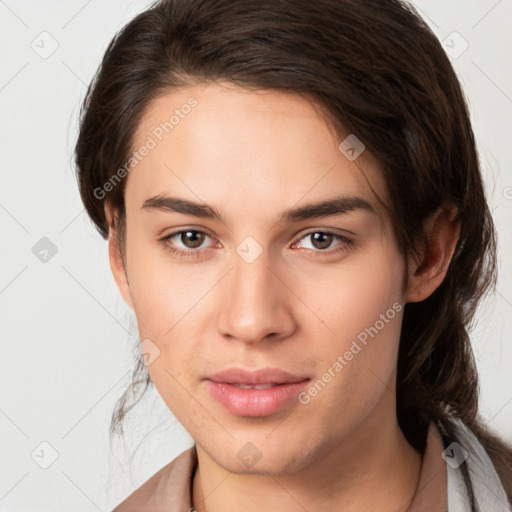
{"points": [[254, 305]]}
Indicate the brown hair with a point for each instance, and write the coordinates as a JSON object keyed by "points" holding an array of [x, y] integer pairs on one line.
{"points": [[378, 71]]}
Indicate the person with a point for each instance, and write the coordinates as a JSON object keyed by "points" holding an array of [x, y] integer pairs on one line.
{"points": [[295, 213]]}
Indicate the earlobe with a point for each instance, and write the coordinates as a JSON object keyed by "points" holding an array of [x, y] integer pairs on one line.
{"points": [[441, 232], [117, 265]]}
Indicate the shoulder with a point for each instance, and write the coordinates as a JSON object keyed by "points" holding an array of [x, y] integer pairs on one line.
{"points": [[487, 486], [168, 489]]}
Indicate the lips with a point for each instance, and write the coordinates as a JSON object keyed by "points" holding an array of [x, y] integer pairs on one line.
{"points": [[264, 377], [255, 393]]}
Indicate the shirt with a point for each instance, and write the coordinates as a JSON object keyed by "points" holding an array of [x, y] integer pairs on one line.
{"points": [[441, 487]]}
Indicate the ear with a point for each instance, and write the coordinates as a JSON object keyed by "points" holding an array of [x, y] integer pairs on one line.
{"points": [[441, 232], [117, 264]]}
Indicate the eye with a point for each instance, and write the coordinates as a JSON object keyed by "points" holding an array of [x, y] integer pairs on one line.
{"points": [[192, 239], [322, 240]]}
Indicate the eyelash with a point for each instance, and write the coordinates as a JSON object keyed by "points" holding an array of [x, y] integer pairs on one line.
{"points": [[345, 244]]}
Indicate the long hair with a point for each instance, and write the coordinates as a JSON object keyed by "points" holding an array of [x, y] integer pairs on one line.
{"points": [[375, 69]]}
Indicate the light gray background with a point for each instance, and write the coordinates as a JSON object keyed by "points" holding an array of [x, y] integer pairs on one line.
{"points": [[67, 337]]}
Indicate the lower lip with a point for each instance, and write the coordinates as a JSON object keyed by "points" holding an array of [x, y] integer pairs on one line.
{"points": [[255, 402]]}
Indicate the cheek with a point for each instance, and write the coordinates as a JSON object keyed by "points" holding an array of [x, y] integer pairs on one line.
{"points": [[360, 295], [363, 307], [162, 292], [165, 305]]}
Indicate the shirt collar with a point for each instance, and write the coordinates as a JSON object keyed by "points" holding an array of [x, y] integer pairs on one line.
{"points": [[440, 487]]}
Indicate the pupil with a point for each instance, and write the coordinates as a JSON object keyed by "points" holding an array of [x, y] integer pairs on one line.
{"points": [[325, 243], [193, 235]]}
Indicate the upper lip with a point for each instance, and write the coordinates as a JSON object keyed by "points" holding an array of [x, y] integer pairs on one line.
{"points": [[261, 376]]}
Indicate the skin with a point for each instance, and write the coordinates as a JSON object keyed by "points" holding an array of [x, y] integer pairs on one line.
{"points": [[296, 307]]}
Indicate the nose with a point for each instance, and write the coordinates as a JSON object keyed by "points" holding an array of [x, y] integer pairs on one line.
{"points": [[255, 302]]}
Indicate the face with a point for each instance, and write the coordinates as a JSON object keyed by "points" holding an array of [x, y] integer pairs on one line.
{"points": [[313, 298]]}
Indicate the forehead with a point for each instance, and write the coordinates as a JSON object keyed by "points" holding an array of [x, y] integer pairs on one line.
{"points": [[261, 149]]}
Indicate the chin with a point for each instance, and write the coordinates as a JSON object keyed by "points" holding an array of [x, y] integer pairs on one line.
{"points": [[279, 456]]}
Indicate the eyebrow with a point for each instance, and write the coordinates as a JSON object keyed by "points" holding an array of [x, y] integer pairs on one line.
{"points": [[335, 206]]}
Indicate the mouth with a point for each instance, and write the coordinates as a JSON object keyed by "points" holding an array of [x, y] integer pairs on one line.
{"points": [[256, 386], [263, 377], [262, 392]]}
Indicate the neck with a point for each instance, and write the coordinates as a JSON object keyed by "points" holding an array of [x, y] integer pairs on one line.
{"points": [[366, 471]]}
